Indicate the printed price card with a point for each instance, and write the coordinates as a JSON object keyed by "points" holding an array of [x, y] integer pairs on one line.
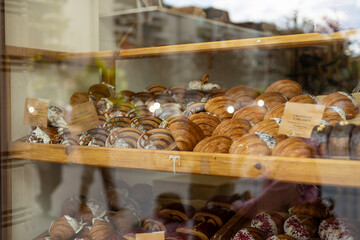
{"points": [[36, 112], [81, 117], [300, 118], [150, 236]]}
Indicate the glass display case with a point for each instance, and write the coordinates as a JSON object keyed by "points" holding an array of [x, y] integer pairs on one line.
{"points": [[164, 119]]}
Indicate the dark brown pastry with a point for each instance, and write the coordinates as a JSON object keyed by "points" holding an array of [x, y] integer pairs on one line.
{"points": [[71, 206], [304, 98], [123, 138], [270, 127], [160, 223], [145, 123], [99, 91], [78, 98], [200, 231], [246, 95], [253, 113], [250, 233], [89, 210], [301, 226], [293, 147], [342, 100], [214, 144], [275, 112], [287, 87], [320, 139], [207, 122], [215, 215], [269, 222], [177, 211], [270, 99], [158, 138], [355, 143], [317, 209], [223, 107], [186, 133], [156, 89], [339, 140], [101, 229], [233, 128], [252, 144]]}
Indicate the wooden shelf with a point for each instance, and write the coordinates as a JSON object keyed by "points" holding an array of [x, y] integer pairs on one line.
{"points": [[301, 170], [275, 42]]}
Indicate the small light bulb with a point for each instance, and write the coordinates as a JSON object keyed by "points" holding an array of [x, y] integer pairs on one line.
{"points": [[261, 103], [31, 109], [230, 109], [156, 105]]}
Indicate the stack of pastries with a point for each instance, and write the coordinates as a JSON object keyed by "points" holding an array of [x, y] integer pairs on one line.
{"points": [[202, 117]]}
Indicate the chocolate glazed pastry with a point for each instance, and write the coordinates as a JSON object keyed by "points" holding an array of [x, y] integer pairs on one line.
{"points": [[339, 141], [355, 143], [319, 139]]}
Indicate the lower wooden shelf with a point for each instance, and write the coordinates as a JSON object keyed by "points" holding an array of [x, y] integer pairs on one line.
{"points": [[301, 170]]}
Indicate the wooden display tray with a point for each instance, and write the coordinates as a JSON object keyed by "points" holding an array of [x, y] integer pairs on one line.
{"points": [[274, 42], [302, 170]]}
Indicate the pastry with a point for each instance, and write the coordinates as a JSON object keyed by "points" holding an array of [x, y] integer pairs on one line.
{"points": [[304, 98], [123, 138], [163, 98], [186, 133], [355, 143], [334, 115], [301, 227], [64, 227], [253, 144], [139, 111], [320, 138], [125, 95], [269, 126], [228, 202], [124, 220], [281, 236], [289, 88], [215, 215], [195, 108], [270, 99], [207, 122], [213, 93], [253, 113], [200, 231], [269, 222], [339, 139], [78, 98], [275, 112], [293, 147], [158, 138], [89, 210], [177, 211], [317, 209], [141, 98], [250, 233], [101, 229], [223, 107], [156, 89], [145, 123], [339, 228], [246, 95], [233, 128], [191, 97], [38, 136], [168, 109], [177, 92], [117, 122], [342, 100], [214, 144], [99, 91], [160, 223]]}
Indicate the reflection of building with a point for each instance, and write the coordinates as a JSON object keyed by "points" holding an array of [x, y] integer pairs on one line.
{"points": [[156, 25]]}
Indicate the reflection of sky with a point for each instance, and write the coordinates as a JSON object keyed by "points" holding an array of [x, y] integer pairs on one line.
{"points": [[346, 12]]}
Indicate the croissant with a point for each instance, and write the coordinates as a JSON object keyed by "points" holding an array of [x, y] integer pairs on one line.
{"points": [[207, 122], [195, 108], [304, 98], [64, 228], [287, 87], [168, 109], [156, 89], [250, 144], [223, 106], [293, 147], [252, 113], [125, 95], [244, 94], [342, 100], [145, 123], [158, 138], [270, 99], [334, 115], [124, 220], [270, 127], [233, 128], [101, 229], [214, 144], [275, 112], [140, 98], [123, 138], [138, 111]]}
